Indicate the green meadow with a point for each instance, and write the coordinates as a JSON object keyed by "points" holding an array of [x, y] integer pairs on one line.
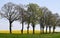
{"points": [[55, 35], [17, 34]]}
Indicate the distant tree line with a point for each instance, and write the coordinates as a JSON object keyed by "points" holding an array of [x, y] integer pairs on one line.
{"points": [[30, 14]]}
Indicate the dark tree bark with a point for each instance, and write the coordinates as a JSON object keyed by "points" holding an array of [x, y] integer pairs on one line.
{"points": [[10, 24], [33, 29], [42, 24], [53, 29], [28, 29], [10, 27], [28, 25], [22, 22], [49, 29], [22, 27], [33, 25], [41, 28], [46, 28]]}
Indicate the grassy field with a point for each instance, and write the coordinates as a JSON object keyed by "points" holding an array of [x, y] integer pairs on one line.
{"points": [[55, 35], [17, 34]]}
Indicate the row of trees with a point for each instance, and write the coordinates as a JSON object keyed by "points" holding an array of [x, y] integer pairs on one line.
{"points": [[30, 14]]}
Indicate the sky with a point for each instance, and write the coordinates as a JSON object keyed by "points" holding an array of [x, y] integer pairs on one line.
{"points": [[52, 5]]}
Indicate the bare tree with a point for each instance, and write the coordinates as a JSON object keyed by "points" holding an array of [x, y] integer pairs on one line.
{"points": [[10, 12]]}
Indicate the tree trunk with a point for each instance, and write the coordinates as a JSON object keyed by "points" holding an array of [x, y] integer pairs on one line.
{"points": [[33, 30], [10, 27], [42, 28], [49, 29], [28, 29], [22, 27], [53, 29], [46, 28]]}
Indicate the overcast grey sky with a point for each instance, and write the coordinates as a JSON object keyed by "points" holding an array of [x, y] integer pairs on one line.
{"points": [[53, 5]]}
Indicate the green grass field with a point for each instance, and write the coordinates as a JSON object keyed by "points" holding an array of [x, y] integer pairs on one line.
{"points": [[17, 34], [55, 35]]}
